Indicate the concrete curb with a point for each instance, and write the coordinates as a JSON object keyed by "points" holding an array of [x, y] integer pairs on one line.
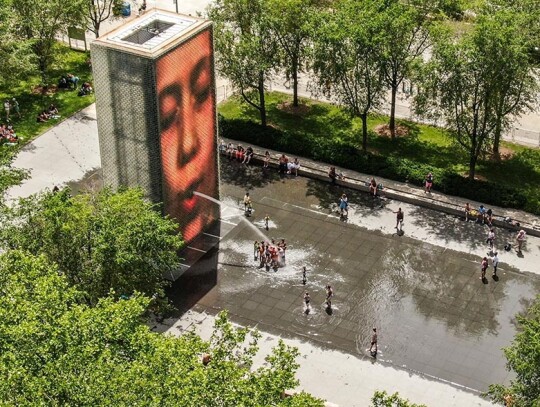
{"points": [[402, 192]]}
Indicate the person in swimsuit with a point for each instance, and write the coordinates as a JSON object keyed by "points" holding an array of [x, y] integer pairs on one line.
{"points": [[329, 295], [307, 300], [484, 267], [429, 182], [373, 187], [343, 206], [399, 219], [373, 341], [304, 278]]}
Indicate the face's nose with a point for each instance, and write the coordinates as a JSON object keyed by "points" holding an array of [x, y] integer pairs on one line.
{"points": [[189, 141]]}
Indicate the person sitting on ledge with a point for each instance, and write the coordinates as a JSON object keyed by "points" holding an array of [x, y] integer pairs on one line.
{"points": [[283, 161], [332, 175], [248, 155], [239, 154], [293, 167]]}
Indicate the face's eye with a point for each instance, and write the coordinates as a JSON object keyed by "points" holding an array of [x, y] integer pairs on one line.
{"points": [[201, 81], [169, 105]]}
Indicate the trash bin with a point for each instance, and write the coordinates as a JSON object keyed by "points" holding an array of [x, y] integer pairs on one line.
{"points": [[125, 11]]}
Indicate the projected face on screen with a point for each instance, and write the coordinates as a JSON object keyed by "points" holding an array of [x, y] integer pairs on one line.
{"points": [[188, 134]]}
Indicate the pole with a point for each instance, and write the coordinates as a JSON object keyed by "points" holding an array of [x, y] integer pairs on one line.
{"points": [[176, 4]]}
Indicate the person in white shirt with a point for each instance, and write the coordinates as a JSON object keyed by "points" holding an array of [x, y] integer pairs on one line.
{"points": [[495, 262]]}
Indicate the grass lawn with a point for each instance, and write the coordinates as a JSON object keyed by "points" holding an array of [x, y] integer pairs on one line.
{"points": [[425, 144], [31, 101]]}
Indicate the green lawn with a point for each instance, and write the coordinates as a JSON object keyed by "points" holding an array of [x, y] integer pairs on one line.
{"points": [[426, 144], [31, 102]]}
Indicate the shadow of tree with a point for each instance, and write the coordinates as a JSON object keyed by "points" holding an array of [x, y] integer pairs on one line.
{"points": [[247, 176], [329, 195]]}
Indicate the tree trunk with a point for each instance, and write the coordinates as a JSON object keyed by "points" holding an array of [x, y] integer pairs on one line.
{"points": [[364, 131], [393, 113], [472, 165], [497, 140], [262, 105], [295, 82]]}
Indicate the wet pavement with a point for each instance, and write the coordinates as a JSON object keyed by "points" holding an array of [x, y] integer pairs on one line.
{"points": [[421, 289]]}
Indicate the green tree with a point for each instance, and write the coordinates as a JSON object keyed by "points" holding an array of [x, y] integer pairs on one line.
{"points": [[16, 57], [99, 11], [460, 84], [289, 22], [39, 22], [514, 83], [382, 399], [246, 49], [346, 59], [9, 176], [55, 350], [101, 242], [405, 36], [523, 358]]}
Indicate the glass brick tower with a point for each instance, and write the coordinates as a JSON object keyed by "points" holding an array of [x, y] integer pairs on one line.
{"points": [[156, 110]]}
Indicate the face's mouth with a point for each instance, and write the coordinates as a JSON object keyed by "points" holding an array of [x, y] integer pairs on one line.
{"points": [[187, 199]]}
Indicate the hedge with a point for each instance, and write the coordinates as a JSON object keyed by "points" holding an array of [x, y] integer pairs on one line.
{"points": [[345, 154]]}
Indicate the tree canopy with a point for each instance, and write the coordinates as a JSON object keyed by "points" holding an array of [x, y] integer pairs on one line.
{"points": [[246, 49], [475, 81], [523, 358], [39, 22], [101, 241], [56, 350], [346, 58]]}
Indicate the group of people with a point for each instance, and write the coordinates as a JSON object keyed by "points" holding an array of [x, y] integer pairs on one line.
{"points": [[71, 82], [490, 240], [238, 152], [287, 166], [11, 107], [271, 255], [481, 215], [68, 81], [485, 264], [8, 135], [328, 300], [50, 113]]}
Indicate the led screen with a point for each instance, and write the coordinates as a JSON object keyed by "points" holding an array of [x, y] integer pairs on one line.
{"points": [[186, 96]]}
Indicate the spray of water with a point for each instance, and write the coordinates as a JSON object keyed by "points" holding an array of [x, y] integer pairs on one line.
{"points": [[240, 214]]}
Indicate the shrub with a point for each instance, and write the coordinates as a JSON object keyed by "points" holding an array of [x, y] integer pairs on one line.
{"points": [[344, 153]]}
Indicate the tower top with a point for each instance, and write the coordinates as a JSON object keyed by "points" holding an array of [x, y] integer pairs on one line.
{"points": [[153, 33]]}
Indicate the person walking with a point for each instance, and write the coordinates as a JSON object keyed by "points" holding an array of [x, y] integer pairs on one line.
{"points": [[266, 220], [373, 341], [495, 263], [490, 238], [399, 220], [329, 295], [7, 106], [343, 206], [484, 266], [247, 201], [307, 300], [520, 239], [255, 249], [429, 182], [16, 108]]}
